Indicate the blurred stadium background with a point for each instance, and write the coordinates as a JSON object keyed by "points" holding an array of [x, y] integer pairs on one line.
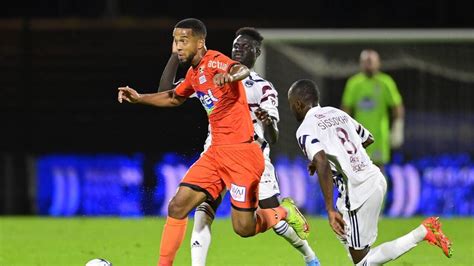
{"points": [[68, 149]]}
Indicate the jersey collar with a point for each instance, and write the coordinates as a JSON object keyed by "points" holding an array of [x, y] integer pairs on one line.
{"points": [[312, 110]]}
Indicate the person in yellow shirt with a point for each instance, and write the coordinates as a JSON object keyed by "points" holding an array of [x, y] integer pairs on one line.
{"points": [[371, 97]]}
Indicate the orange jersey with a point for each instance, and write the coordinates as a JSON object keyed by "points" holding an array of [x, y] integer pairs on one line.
{"points": [[226, 106]]}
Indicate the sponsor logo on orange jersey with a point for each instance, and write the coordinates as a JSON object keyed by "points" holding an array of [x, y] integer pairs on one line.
{"points": [[216, 64]]}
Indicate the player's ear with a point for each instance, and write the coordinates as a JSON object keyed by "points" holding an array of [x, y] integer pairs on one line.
{"points": [[258, 52], [201, 43], [298, 104]]}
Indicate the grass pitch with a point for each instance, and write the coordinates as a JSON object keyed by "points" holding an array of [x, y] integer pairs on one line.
{"points": [[134, 242]]}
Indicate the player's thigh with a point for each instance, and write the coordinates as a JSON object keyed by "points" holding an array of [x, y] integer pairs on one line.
{"points": [[241, 167], [202, 176], [362, 223]]}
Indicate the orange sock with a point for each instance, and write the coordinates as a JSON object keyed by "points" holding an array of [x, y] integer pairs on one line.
{"points": [[172, 237], [267, 218]]}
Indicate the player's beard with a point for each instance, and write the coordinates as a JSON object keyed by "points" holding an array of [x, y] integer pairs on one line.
{"points": [[187, 62]]}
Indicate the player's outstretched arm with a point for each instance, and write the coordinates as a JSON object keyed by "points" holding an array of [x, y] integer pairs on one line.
{"points": [[320, 164], [236, 73], [160, 99]]}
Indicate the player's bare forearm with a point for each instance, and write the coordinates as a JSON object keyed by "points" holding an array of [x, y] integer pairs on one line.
{"points": [[239, 72], [162, 99], [169, 73], [236, 73], [270, 127], [270, 131], [398, 112], [320, 163], [397, 127], [323, 169]]}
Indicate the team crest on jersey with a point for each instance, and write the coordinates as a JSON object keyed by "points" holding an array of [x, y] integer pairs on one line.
{"points": [[367, 104], [207, 100], [249, 83]]}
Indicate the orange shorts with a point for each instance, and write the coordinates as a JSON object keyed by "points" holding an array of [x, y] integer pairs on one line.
{"points": [[237, 167]]}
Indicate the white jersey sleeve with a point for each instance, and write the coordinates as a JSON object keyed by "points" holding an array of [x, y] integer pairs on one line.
{"points": [[269, 100], [261, 94], [309, 141], [363, 133]]}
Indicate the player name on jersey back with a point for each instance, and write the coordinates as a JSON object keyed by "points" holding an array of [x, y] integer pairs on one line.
{"points": [[333, 121]]}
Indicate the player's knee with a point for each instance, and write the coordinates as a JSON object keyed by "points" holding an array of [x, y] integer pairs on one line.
{"points": [[177, 210]]}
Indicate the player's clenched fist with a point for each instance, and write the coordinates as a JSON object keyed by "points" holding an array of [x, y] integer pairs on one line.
{"points": [[128, 94], [222, 78]]}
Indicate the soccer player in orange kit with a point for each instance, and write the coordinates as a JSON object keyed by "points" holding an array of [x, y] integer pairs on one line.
{"points": [[233, 161]]}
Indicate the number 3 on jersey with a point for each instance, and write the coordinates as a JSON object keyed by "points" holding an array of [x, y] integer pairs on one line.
{"points": [[344, 137]]}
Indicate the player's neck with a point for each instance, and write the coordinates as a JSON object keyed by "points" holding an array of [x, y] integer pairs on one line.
{"points": [[306, 110], [371, 74], [198, 57]]}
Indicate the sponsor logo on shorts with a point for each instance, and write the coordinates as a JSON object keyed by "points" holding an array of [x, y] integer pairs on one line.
{"points": [[237, 193]]}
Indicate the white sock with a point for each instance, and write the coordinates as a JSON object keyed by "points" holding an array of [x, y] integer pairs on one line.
{"points": [[284, 230], [391, 250], [201, 236]]}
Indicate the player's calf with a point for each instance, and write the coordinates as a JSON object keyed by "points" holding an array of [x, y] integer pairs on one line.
{"points": [[243, 223]]}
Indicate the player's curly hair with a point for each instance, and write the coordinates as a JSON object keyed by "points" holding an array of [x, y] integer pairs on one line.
{"points": [[198, 27], [252, 32]]}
